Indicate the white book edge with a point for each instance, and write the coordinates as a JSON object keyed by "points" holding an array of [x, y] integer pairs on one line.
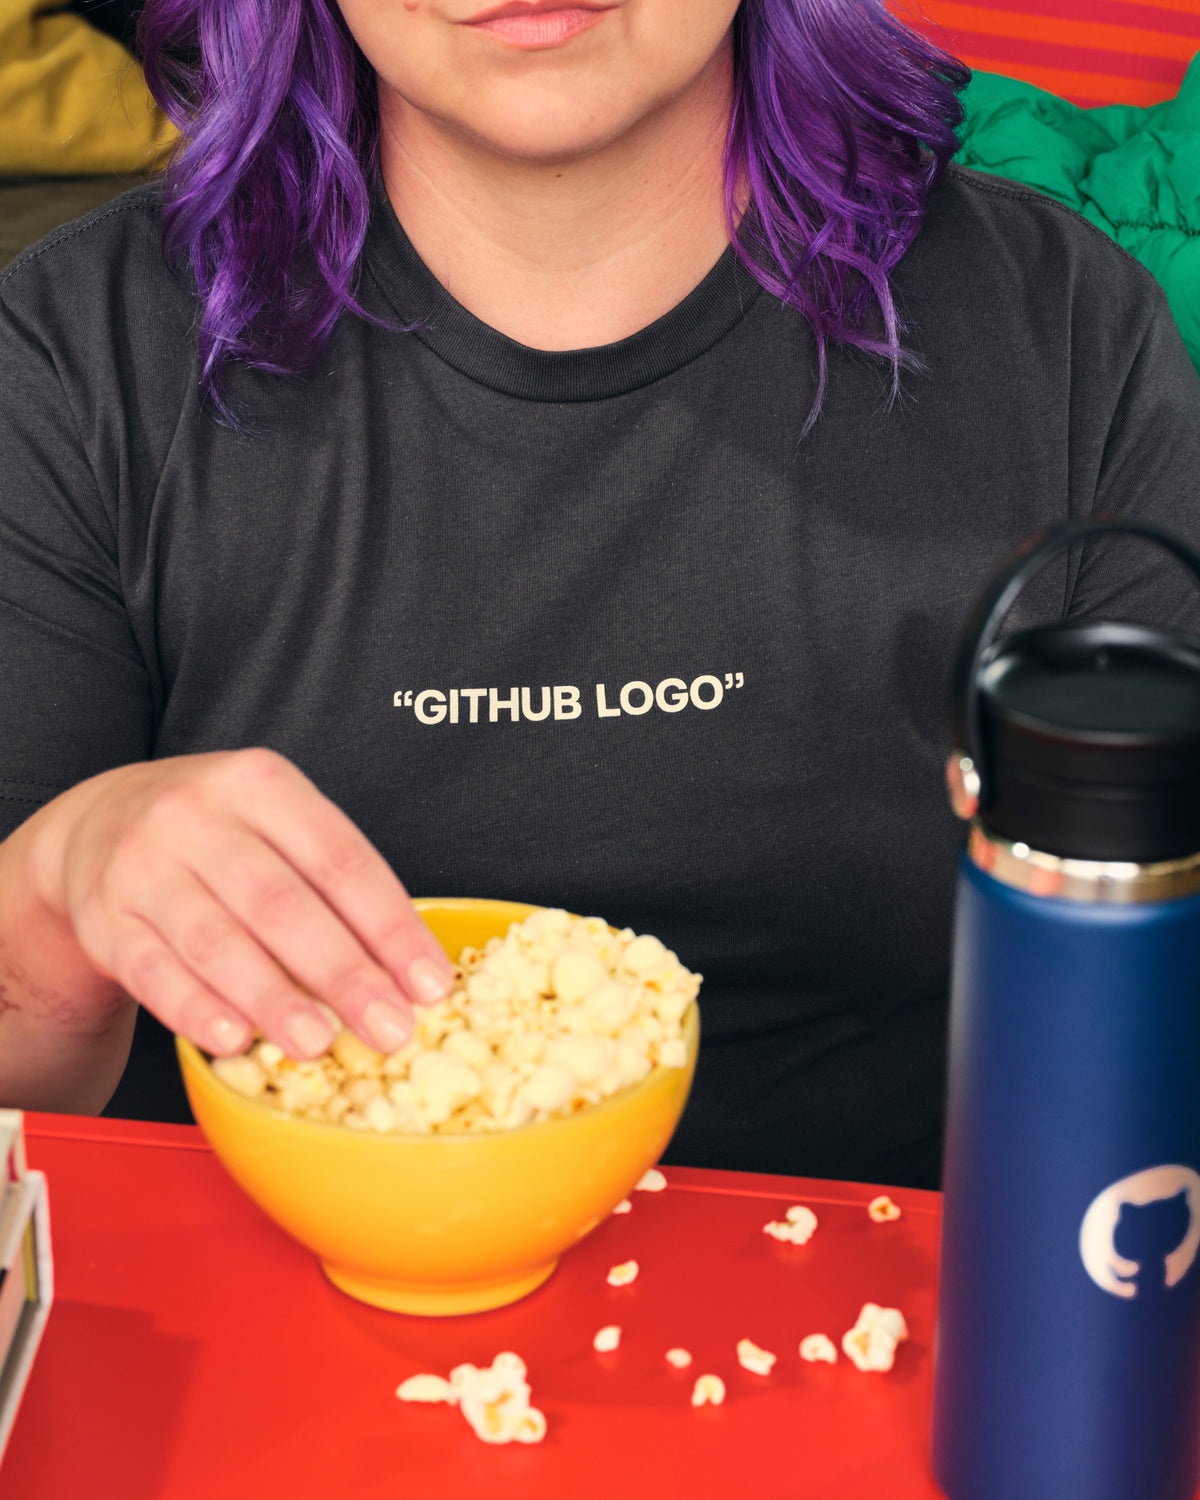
{"points": [[16, 1205], [12, 1134], [29, 1334]]}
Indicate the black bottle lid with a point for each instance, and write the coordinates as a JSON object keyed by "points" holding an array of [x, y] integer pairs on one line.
{"points": [[1084, 738]]}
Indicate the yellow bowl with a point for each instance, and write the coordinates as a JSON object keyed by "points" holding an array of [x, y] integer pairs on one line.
{"points": [[444, 1223]]}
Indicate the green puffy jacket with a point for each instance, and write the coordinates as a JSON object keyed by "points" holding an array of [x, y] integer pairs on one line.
{"points": [[1135, 173]]}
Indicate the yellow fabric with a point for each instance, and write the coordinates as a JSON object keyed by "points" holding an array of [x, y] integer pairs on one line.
{"points": [[72, 100]]}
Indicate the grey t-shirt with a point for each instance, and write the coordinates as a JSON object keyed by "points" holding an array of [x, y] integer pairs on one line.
{"points": [[596, 628]]}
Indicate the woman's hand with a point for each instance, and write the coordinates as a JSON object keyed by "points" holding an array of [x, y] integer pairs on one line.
{"points": [[227, 895]]}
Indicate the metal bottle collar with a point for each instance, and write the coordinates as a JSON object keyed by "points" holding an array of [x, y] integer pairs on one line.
{"points": [[1108, 882]]}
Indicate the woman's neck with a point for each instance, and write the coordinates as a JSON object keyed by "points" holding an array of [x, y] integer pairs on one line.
{"points": [[570, 253]]}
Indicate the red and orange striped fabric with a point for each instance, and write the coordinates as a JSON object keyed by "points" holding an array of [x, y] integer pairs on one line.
{"points": [[1089, 51]]}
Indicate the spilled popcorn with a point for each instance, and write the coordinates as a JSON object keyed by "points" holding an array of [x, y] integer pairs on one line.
{"points": [[752, 1358], [679, 1359], [623, 1274], [882, 1210], [652, 1181], [709, 1390], [427, 1388], [607, 1339], [871, 1343], [624, 1207], [494, 1399], [559, 1014], [796, 1227], [818, 1347]]}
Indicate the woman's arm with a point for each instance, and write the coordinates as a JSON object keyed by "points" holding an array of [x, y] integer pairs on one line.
{"points": [[224, 893], [223, 890], [65, 1030]]}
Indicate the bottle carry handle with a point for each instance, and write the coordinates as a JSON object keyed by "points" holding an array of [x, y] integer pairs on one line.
{"points": [[967, 771]]}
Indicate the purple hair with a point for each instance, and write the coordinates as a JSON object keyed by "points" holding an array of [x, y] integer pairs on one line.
{"points": [[843, 120]]}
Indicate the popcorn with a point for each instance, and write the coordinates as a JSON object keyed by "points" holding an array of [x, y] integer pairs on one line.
{"points": [[796, 1228], [305, 1087], [709, 1390], [443, 1083], [871, 1343], [680, 1359], [241, 1073], [623, 1274], [624, 1207], [361, 1092], [633, 1060], [751, 1357], [652, 1181], [588, 1058], [576, 974], [817, 1347], [882, 1210], [427, 1388], [468, 1048], [607, 1339], [358, 1060], [529, 1426], [550, 1088], [610, 1007], [495, 1401], [380, 1114], [645, 955], [672, 1053], [557, 1015]]}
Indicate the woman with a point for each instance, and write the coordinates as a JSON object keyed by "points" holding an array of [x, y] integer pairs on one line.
{"points": [[514, 491]]}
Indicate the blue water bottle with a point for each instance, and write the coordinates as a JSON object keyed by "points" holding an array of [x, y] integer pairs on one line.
{"points": [[1067, 1362]]}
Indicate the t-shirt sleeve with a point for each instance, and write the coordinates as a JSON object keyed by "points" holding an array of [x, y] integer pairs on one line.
{"points": [[73, 682], [1147, 467]]}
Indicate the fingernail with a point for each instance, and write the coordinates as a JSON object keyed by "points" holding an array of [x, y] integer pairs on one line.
{"points": [[386, 1026], [430, 982], [226, 1035], [308, 1034]]}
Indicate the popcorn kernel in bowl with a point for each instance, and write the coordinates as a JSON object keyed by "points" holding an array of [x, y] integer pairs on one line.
{"points": [[559, 1014]]}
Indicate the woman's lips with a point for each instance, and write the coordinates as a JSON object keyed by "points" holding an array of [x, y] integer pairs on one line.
{"points": [[541, 28]]}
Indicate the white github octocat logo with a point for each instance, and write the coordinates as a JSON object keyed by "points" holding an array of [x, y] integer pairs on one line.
{"points": [[1112, 1272]]}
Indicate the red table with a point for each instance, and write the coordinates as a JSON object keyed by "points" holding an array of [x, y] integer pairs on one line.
{"points": [[194, 1352]]}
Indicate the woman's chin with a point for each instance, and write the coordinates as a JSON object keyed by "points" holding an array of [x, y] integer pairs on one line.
{"points": [[544, 127]]}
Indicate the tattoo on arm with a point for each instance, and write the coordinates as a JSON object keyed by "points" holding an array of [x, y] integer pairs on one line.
{"points": [[5, 1003]]}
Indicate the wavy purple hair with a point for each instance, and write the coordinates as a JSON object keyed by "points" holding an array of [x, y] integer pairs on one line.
{"points": [[843, 120]]}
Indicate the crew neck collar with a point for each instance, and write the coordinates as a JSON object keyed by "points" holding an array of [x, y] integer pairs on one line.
{"points": [[492, 359]]}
